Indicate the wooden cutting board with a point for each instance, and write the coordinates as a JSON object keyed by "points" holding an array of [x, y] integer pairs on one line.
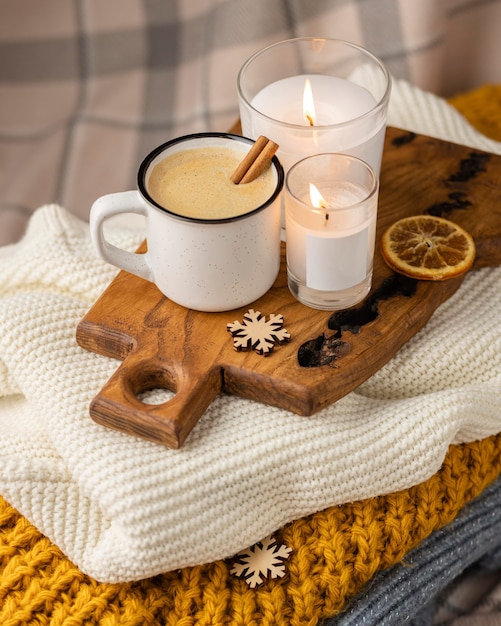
{"points": [[163, 345]]}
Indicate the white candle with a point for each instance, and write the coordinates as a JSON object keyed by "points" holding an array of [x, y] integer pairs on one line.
{"points": [[330, 234], [342, 123], [332, 249]]}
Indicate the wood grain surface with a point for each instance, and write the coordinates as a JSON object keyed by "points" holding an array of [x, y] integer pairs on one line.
{"points": [[163, 345]]}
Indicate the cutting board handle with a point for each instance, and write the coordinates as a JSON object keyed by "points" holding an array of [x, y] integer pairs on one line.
{"points": [[117, 405]]}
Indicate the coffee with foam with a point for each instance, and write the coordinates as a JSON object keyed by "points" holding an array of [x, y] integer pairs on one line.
{"points": [[196, 183]]}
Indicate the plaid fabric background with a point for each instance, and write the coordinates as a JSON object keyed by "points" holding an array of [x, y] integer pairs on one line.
{"points": [[88, 87]]}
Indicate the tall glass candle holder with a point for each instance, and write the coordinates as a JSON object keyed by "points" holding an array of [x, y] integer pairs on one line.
{"points": [[331, 208], [314, 95]]}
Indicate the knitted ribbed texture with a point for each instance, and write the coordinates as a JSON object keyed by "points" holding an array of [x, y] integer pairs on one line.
{"points": [[334, 551], [441, 578]]}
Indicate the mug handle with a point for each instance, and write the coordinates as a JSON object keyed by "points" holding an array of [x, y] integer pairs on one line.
{"points": [[116, 204]]}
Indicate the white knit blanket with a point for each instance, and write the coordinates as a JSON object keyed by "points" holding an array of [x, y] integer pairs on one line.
{"points": [[124, 509]]}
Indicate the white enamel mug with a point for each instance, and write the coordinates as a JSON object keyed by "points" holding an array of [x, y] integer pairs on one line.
{"points": [[206, 265]]}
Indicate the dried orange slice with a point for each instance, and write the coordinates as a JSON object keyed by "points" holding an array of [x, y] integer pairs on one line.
{"points": [[428, 248]]}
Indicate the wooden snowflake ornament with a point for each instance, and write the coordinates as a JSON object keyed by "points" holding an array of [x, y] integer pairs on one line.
{"points": [[265, 559], [257, 333]]}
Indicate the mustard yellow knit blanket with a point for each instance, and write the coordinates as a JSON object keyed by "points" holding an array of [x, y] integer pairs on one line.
{"points": [[331, 554]]}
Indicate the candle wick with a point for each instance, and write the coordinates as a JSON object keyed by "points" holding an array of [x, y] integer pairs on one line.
{"points": [[323, 205], [310, 120]]}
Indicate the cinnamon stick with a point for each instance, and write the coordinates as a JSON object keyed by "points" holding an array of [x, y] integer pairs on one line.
{"points": [[255, 161]]}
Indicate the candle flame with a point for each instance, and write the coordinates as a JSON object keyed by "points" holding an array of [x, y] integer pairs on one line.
{"points": [[317, 200], [308, 104]]}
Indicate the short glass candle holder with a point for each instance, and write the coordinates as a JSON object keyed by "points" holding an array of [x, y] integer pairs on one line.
{"points": [[331, 205]]}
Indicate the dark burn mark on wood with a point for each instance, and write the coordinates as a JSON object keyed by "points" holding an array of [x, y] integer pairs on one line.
{"points": [[402, 140], [325, 350], [353, 319], [457, 200], [470, 167], [322, 351]]}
